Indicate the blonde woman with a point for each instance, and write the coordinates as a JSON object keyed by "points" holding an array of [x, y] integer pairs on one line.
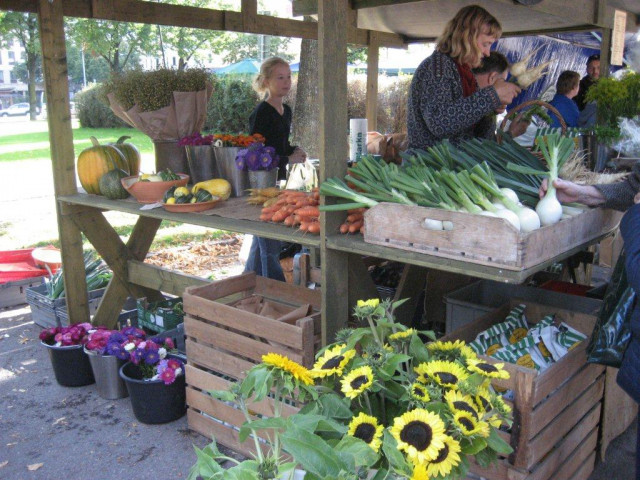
{"points": [[272, 119], [444, 98]]}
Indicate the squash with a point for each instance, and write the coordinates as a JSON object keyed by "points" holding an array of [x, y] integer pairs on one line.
{"points": [[111, 185], [130, 153], [203, 195], [95, 161], [218, 187]]}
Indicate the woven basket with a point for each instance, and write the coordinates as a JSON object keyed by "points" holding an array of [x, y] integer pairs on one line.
{"points": [[524, 105]]}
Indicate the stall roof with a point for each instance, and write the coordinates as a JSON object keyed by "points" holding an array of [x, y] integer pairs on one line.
{"points": [[424, 20]]}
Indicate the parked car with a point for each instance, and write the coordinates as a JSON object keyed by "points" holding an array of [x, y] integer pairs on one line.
{"points": [[16, 109]]}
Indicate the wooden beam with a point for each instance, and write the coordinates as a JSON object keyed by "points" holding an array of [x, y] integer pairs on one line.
{"points": [[159, 278], [54, 59], [332, 63], [373, 56], [249, 10]]}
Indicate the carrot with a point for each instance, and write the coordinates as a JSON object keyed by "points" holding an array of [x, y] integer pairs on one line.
{"points": [[280, 215], [362, 229], [289, 221], [266, 217], [304, 226], [308, 211], [357, 210], [344, 228], [354, 217], [314, 227], [355, 227]]}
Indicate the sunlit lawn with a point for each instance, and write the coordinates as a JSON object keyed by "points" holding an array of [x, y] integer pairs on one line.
{"points": [[35, 146]]}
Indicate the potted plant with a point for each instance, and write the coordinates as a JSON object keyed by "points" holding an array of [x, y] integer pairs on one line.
{"points": [[155, 379], [261, 163], [164, 104], [378, 403], [71, 366], [106, 355], [226, 148]]}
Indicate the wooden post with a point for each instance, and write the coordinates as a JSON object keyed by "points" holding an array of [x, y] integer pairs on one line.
{"points": [[373, 55], [249, 15], [54, 59], [332, 72]]}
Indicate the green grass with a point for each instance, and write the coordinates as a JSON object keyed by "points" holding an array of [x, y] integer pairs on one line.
{"points": [[35, 146]]}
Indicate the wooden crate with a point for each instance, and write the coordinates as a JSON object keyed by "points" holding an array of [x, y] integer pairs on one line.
{"points": [[556, 412], [483, 240], [223, 342]]}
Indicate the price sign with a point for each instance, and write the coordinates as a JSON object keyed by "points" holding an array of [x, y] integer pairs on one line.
{"points": [[617, 37]]}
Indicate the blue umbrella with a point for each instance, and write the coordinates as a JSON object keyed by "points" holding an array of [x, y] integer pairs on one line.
{"points": [[246, 66]]}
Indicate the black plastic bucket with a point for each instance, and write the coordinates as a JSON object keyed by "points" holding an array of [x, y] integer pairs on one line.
{"points": [[152, 401], [71, 365]]}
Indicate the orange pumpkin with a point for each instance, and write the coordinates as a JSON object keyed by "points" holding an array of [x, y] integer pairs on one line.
{"points": [[130, 152], [95, 161]]}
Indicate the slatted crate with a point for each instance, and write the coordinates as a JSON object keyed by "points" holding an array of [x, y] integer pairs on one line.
{"points": [[482, 240], [223, 342], [556, 412]]}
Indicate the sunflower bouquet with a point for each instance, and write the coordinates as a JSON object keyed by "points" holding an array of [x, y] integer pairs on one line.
{"points": [[379, 403]]}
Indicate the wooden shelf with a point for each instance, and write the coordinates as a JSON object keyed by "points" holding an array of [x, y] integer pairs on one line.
{"points": [[233, 215], [355, 244]]}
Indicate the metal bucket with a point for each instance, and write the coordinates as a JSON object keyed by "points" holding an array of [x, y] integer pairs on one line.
{"points": [[263, 178], [106, 372], [226, 165], [201, 163], [597, 154], [170, 155]]}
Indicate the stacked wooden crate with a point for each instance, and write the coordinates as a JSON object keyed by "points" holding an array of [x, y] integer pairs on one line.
{"points": [[223, 342]]}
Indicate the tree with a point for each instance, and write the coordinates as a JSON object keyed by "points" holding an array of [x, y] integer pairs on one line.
{"points": [[96, 69], [24, 28], [118, 43], [237, 46]]}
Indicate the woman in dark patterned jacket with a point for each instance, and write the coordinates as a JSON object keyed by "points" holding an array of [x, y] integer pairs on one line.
{"points": [[444, 99]]}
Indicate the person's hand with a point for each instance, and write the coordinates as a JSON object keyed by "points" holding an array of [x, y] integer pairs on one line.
{"points": [[569, 192], [500, 109], [506, 91], [518, 126], [636, 199], [298, 156]]}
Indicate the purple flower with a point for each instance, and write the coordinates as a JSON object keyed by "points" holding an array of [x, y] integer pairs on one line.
{"points": [[151, 357], [117, 350], [162, 366], [137, 355], [257, 157], [168, 376]]}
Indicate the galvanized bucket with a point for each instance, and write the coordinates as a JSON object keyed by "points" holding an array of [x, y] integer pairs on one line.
{"points": [[106, 372], [226, 165], [201, 163], [263, 178]]}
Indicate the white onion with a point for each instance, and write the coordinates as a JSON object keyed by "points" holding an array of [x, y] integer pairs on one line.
{"points": [[529, 220], [498, 204], [510, 194], [447, 225], [549, 210], [487, 213], [510, 217], [431, 224]]}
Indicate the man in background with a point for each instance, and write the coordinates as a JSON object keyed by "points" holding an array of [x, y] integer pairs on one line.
{"points": [[592, 76]]}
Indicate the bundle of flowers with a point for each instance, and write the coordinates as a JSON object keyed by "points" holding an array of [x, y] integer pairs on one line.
{"points": [[240, 140], [111, 342], [151, 357], [68, 336], [380, 399], [257, 157], [196, 139]]}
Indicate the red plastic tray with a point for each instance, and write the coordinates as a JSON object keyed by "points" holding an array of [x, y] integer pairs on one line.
{"points": [[18, 265], [567, 287]]}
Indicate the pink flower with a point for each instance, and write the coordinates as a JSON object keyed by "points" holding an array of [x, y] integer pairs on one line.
{"points": [[168, 343], [168, 376], [173, 364]]}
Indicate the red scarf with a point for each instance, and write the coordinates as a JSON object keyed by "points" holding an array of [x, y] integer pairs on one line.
{"points": [[469, 84]]}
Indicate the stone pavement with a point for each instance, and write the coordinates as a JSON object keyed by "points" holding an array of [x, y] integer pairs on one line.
{"points": [[51, 432]]}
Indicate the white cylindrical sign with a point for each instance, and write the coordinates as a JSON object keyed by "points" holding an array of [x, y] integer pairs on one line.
{"points": [[358, 136]]}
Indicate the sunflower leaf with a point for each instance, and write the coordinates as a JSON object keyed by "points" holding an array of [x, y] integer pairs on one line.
{"points": [[362, 455], [394, 456], [496, 443], [314, 454], [472, 448]]}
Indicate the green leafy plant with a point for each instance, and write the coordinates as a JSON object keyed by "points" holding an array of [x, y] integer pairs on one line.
{"points": [[153, 90], [380, 401]]}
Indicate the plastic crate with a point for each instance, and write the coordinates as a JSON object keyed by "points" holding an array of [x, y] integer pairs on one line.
{"points": [[128, 314], [159, 316], [47, 312], [15, 292], [468, 303]]}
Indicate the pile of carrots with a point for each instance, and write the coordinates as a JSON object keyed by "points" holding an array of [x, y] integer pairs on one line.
{"points": [[295, 208], [300, 209]]}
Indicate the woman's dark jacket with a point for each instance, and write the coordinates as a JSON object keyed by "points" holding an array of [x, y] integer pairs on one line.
{"points": [[275, 128]]}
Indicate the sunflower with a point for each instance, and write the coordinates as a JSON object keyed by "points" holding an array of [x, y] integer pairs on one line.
{"points": [[461, 403], [371, 303], [407, 334], [332, 362], [456, 350], [483, 400], [283, 363], [357, 381], [447, 459], [419, 472], [419, 392], [365, 308], [444, 373], [469, 426], [500, 405], [487, 369], [420, 434], [366, 428]]}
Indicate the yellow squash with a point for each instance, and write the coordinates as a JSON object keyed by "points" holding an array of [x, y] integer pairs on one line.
{"points": [[217, 187]]}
